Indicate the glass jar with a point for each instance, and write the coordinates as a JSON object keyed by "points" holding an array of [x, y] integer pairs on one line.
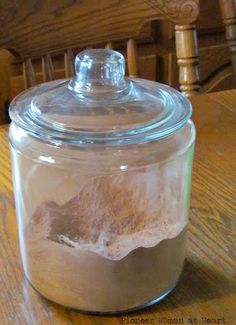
{"points": [[102, 172]]}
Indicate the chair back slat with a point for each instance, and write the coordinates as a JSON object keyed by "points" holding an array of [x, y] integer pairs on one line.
{"points": [[69, 63], [28, 73], [132, 58], [228, 12], [47, 68], [109, 46]]}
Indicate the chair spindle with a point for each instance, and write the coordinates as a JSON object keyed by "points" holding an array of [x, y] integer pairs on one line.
{"points": [[132, 58]]}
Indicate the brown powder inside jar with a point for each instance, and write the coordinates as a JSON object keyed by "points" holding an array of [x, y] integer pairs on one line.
{"points": [[113, 247]]}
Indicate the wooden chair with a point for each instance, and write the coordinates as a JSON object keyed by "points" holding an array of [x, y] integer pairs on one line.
{"points": [[228, 11], [41, 29]]}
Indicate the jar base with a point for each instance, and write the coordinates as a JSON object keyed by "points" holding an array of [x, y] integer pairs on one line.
{"points": [[104, 313]]}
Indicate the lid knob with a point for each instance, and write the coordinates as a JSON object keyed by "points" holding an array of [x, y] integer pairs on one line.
{"points": [[99, 70]]}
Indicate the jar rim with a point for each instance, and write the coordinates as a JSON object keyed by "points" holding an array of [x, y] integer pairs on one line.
{"points": [[146, 133]]}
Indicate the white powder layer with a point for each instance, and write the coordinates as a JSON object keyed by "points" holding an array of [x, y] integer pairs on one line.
{"points": [[113, 215]]}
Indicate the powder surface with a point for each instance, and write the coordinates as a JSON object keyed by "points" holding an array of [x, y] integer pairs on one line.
{"points": [[113, 215]]}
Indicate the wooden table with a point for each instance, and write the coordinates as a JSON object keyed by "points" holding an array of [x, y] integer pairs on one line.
{"points": [[207, 291]]}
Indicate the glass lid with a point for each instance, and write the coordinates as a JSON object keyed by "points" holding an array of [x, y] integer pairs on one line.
{"points": [[100, 106]]}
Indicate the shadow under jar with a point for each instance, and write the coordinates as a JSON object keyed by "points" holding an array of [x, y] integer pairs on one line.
{"points": [[102, 175]]}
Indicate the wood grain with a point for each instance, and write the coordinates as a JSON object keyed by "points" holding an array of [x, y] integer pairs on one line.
{"points": [[155, 48], [37, 28], [208, 286], [46, 27]]}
